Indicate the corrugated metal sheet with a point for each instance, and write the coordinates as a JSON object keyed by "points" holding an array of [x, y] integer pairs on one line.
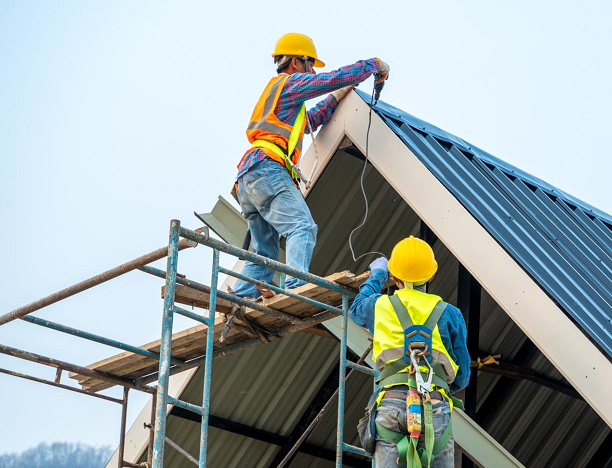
{"points": [[564, 244]]}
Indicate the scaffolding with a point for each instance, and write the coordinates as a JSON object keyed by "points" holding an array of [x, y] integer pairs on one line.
{"points": [[318, 308]]}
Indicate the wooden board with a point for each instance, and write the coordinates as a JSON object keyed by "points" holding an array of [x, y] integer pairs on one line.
{"points": [[191, 343]]}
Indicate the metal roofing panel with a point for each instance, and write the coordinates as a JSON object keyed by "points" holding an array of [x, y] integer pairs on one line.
{"points": [[563, 243]]}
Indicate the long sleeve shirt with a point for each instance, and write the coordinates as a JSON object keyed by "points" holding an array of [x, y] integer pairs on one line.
{"points": [[301, 87], [451, 325]]}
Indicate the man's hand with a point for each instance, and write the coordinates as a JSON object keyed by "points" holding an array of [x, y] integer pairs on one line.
{"points": [[384, 70], [340, 93], [379, 264]]}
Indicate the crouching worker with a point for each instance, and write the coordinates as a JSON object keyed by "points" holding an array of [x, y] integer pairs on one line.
{"points": [[420, 350]]}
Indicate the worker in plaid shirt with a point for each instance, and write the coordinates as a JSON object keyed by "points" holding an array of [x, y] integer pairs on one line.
{"points": [[267, 181]]}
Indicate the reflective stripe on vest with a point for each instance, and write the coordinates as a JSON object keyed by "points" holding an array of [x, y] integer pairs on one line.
{"points": [[389, 334], [266, 126]]}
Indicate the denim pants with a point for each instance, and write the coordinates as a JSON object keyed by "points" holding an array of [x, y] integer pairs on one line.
{"points": [[273, 205], [392, 414]]}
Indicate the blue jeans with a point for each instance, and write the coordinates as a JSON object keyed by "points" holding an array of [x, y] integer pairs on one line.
{"points": [[392, 414], [273, 205]]}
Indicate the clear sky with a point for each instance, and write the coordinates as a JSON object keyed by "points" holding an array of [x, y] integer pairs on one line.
{"points": [[116, 117]]}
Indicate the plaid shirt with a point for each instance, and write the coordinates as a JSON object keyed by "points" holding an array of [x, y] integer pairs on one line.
{"points": [[301, 87]]}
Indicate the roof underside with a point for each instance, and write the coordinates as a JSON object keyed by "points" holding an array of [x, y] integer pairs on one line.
{"points": [[562, 243]]}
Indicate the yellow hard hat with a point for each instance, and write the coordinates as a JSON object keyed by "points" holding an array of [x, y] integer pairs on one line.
{"points": [[297, 44], [412, 260]]}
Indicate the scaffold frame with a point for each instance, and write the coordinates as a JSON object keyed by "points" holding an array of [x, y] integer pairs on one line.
{"points": [[179, 239]]}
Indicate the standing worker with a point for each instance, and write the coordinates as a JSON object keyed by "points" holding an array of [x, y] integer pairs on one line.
{"points": [[267, 182], [420, 349]]}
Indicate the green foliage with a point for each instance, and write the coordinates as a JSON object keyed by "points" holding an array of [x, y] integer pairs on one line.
{"points": [[58, 455]]}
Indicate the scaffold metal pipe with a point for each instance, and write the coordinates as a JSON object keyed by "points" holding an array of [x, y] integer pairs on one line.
{"points": [[166, 345], [342, 384], [59, 385], [91, 282], [360, 368], [278, 290], [185, 405], [97, 338], [175, 446], [208, 361], [123, 424], [191, 315], [265, 262], [40, 359], [352, 449]]}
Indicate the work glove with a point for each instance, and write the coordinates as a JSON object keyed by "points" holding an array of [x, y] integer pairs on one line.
{"points": [[384, 70], [340, 93], [379, 264]]}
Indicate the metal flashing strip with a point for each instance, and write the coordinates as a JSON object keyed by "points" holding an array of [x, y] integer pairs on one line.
{"points": [[470, 437]]}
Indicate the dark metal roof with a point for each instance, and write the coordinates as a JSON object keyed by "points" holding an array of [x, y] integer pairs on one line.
{"points": [[564, 244]]}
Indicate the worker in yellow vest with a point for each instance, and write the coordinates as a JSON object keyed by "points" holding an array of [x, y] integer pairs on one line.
{"points": [[419, 347], [267, 181]]}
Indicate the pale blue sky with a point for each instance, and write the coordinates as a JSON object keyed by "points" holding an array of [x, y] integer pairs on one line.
{"points": [[116, 117]]}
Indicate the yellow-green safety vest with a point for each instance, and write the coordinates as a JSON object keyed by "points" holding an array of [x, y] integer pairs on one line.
{"points": [[388, 345]]}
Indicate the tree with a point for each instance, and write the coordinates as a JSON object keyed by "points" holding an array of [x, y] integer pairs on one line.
{"points": [[58, 455]]}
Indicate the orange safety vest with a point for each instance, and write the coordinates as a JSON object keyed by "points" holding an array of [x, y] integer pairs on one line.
{"points": [[280, 141]]}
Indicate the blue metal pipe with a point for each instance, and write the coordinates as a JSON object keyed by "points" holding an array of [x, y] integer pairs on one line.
{"points": [[265, 262], [191, 315], [59, 385], [97, 338], [185, 405], [278, 290], [223, 295], [360, 368], [166, 345], [210, 341], [47, 361], [357, 450], [342, 384], [281, 332], [90, 283]]}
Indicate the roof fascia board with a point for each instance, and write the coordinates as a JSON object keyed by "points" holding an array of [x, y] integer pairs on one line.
{"points": [[589, 371], [137, 437]]}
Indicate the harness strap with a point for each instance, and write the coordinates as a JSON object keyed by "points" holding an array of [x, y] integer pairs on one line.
{"points": [[401, 312], [292, 142], [429, 430], [435, 315], [404, 378]]}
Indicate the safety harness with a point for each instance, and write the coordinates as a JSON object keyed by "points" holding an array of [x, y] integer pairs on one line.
{"points": [[294, 137], [417, 353]]}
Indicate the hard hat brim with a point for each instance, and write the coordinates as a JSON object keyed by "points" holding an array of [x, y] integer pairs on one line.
{"points": [[318, 63]]}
